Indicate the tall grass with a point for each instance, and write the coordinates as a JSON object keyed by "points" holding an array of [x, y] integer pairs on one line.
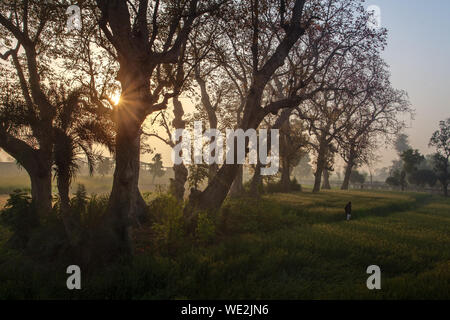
{"points": [[284, 246]]}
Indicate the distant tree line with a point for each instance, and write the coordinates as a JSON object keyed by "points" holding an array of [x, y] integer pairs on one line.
{"points": [[413, 168]]}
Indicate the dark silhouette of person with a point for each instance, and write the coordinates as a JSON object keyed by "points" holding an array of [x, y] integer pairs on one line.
{"points": [[348, 210]]}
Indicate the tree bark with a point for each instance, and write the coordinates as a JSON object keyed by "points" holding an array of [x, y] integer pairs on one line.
{"points": [[212, 170], [348, 172], [180, 171], [38, 165], [237, 187], [213, 196], [285, 176], [321, 163], [179, 181], [41, 191], [326, 179], [123, 201]]}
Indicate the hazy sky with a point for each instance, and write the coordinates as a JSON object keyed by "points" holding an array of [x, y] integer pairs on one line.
{"points": [[419, 55]]}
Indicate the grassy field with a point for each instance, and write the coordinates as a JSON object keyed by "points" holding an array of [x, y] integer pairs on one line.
{"points": [[285, 246], [96, 184]]}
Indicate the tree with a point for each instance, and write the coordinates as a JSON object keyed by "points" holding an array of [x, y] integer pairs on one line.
{"points": [[441, 141], [397, 179], [377, 117], [381, 174], [257, 180], [156, 168], [292, 147], [27, 114], [441, 167], [357, 177], [411, 160], [144, 37], [322, 25], [247, 25], [401, 143], [105, 166], [197, 174], [44, 119], [422, 177], [402, 171], [76, 129], [347, 118]]}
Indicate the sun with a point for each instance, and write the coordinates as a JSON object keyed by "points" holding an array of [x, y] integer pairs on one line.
{"points": [[115, 98]]}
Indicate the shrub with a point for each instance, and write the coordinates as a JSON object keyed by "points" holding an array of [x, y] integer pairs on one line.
{"points": [[93, 213], [295, 186], [247, 187], [275, 187], [19, 216], [169, 224], [206, 228]]}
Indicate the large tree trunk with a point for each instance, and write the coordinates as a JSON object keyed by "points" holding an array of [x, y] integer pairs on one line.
{"points": [[348, 172], [285, 176], [326, 179], [237, 187], [124, 201], [317, 178], [41, 190], [320, 166], [212, 170], [179, 181], [38, 165], [213, 196]]}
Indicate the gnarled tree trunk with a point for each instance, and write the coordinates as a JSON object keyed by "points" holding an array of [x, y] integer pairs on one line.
{"points": [[125, 201]]}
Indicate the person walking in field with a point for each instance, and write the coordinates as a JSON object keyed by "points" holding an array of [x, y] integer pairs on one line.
{"points": [[348, 210]]}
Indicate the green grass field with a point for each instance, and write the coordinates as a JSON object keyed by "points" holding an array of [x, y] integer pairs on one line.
{"points": [[285, 246]]}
